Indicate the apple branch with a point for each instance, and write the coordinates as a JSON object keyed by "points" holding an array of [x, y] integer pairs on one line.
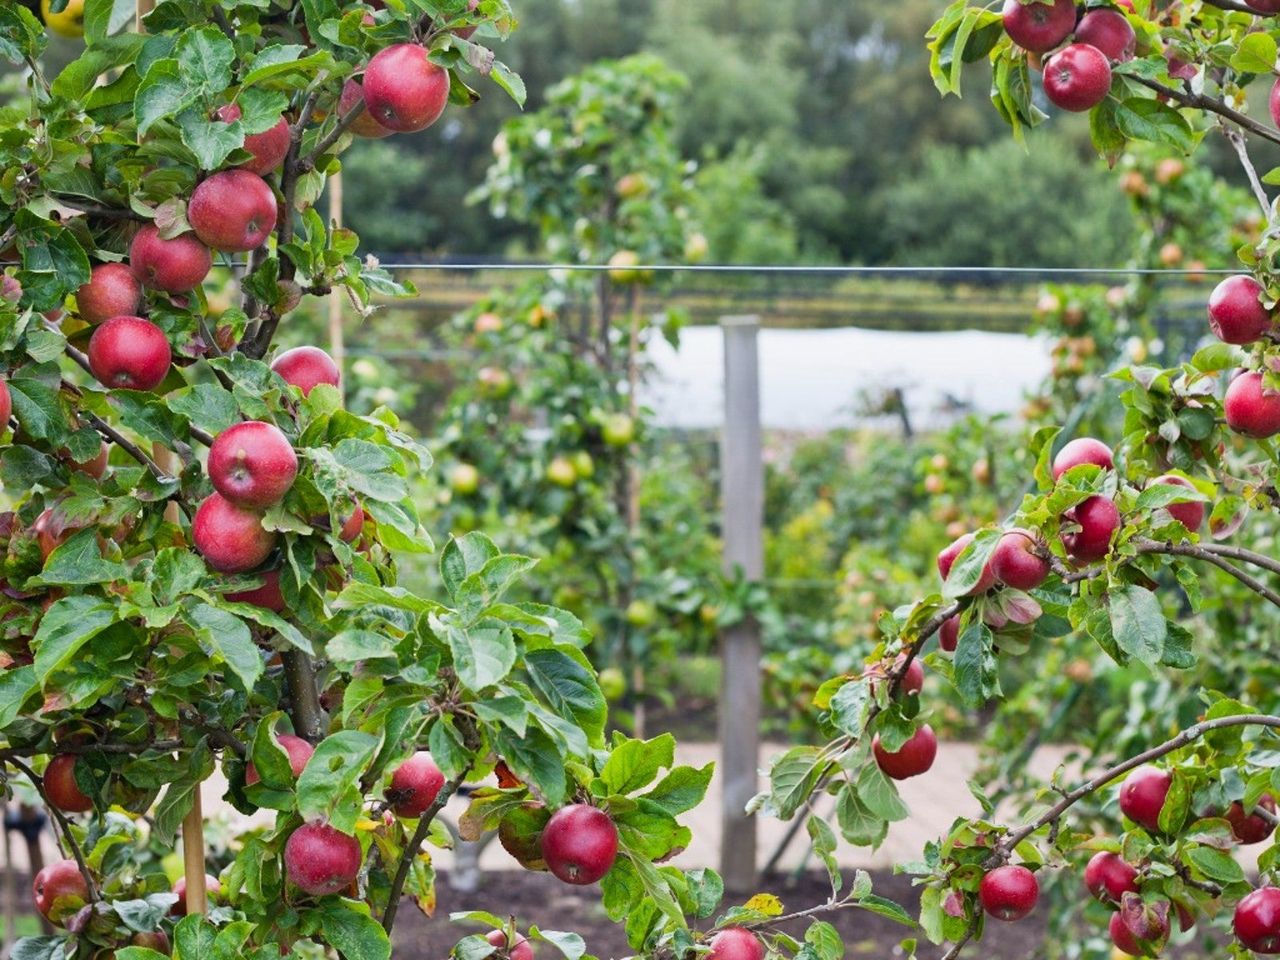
{"points": [[1199, 101], [1199, 553], [329, 139], [1236, 138], [38, 782], [304, 699], [415, 844]]}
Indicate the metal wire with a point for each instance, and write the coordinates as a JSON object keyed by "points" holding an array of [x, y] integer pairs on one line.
{"points": [[509, 266]]}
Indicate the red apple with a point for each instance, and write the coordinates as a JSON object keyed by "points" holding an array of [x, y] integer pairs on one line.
{"points": [[1236, 313], [211, 889], [268, 596], [1250, 828], [6, 404], [299, 752], [352, 526], [1273, 103], [523, 950], [233, 211], [1148, 939], [320, 859], [230, 538], [129, 353], [1257, 921], [947, 558], [51, 530], [306, 367], [1264, 6], [364, 125], [1083, 450], [1251, 408], [1108, 877], [1190, 514], [1142, 796], [1077, 78], [60, 891], [61, 788], [403, 90], [1009, 892], [95, 466], [1098, 520], [268, 148], [1109, 31], [579, 844], [1039, 27], [174, 266], [414, 786], [252, 464], [466, 33], [915, 757], [156, 940], [1017, 561], [735, 943], [949, 634], [112, 291]]}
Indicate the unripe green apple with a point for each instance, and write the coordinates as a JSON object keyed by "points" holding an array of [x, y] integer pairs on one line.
{"points": [[464, 479], [618, 430], [696, 248], [612, 684], [561, 472], [641, 613], [583, 464]]}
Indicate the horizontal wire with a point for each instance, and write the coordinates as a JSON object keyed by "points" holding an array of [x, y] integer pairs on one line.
{"points": [[508, 266]]}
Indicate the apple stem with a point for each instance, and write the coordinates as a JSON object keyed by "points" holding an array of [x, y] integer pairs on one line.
{"points": [[1236, 139], [38, 782]]}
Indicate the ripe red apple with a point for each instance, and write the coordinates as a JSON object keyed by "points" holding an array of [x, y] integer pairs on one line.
{"points": [[364, 125], [1083, 450], [949, 634], [403, 90], [579, 844], [1039, 27], [233, 211], [947, 559], [1009, 892], [1017, 561], [1250, 407], [252, 464], [268, 596], [1250, 828], [415, 784], [915, 757], [94, 467], [6, 404], [61, 787], [352, 526], [1155, 931], [1257, 921], [305, 367], [1236, 313], [913, 679], [1191, 514], [60, 891], [156, 940], [523, 950], [735, 943], [1108, 877], [1273, 102], [129, 353], [1077, 78], [299, 752], [268, 148], [1142, 796], [465, 33], [320, 859], [231, 539], [1109, 31], [1098, 519], [51, 531], [211, 889], [1264, 6], [10, 288], [174, 266], [112, 291]]}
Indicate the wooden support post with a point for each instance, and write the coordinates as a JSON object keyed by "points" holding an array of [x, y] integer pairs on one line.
{"points": [[742, 497], [337, 342], [193, 855]]}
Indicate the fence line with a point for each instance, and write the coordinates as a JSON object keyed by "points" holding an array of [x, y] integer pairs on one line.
{"points": [[733, 268]]}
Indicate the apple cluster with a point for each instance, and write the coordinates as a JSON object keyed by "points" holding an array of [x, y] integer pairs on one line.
{"points": [[1239, 315]]}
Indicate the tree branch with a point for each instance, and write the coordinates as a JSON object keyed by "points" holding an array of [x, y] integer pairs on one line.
{"points": [[415, 844], [1236, 139], [1211, 104], [38, 782], [304, 699], [1199, 553]]}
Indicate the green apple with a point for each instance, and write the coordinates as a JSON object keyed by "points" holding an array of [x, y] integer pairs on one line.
{"points": [[562, 473], [618, 429], [464, 479], [583, 464], [641, 613], [612, 684], [623, 264], [696, 248]]}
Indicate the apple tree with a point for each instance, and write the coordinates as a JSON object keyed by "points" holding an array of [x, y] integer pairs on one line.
{"points": [[1128, 543]]}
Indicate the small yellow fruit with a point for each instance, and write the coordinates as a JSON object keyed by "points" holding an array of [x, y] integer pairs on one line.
{"points": [[67, 23], [562, 473], [624, 264], [696, 248]]}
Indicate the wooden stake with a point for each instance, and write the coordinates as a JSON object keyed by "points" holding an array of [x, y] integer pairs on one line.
{"points": [[337, 344], [193, 856]]}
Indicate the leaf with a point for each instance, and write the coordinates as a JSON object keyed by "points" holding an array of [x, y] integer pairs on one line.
{"points": [[570, 689], [634, 763], [1138, 623], [792, 779], [482, 654], [1217, 865], [193, 938], [70, 623], [976, 672], [350, 929], [571, 945], [229, 640], [682, 789], [162, 94], [850, 707], [534, 757], [1141, 118], [968, 567], [79, 562], [327, 788], [1256, 53], [879, 795], [464, 556]]}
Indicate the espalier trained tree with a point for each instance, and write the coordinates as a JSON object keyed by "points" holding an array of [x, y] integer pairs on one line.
{"points": [[1111, 543]]}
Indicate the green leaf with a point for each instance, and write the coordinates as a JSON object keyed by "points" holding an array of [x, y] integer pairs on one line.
{"points": [[352, 646], [327, 788], [969, 566], [1256, 53], [226, 637], [79, 562], [464, 556], [634, 764], [976, 672], [205, 56], [569, 687], [193, 938], [1142, 118], [1138, 623], [350, 929], [534, 758], [682, 789], [69, 624], [878, 794], [792, 779], [850, 707], [1217, 865], [483, 654], [163, 93]]}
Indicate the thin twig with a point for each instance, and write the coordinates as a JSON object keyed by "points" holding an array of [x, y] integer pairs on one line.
{"points": [[415, 844], [1197, 552], [1201, 102], [38, 782], [1236, 139]]}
